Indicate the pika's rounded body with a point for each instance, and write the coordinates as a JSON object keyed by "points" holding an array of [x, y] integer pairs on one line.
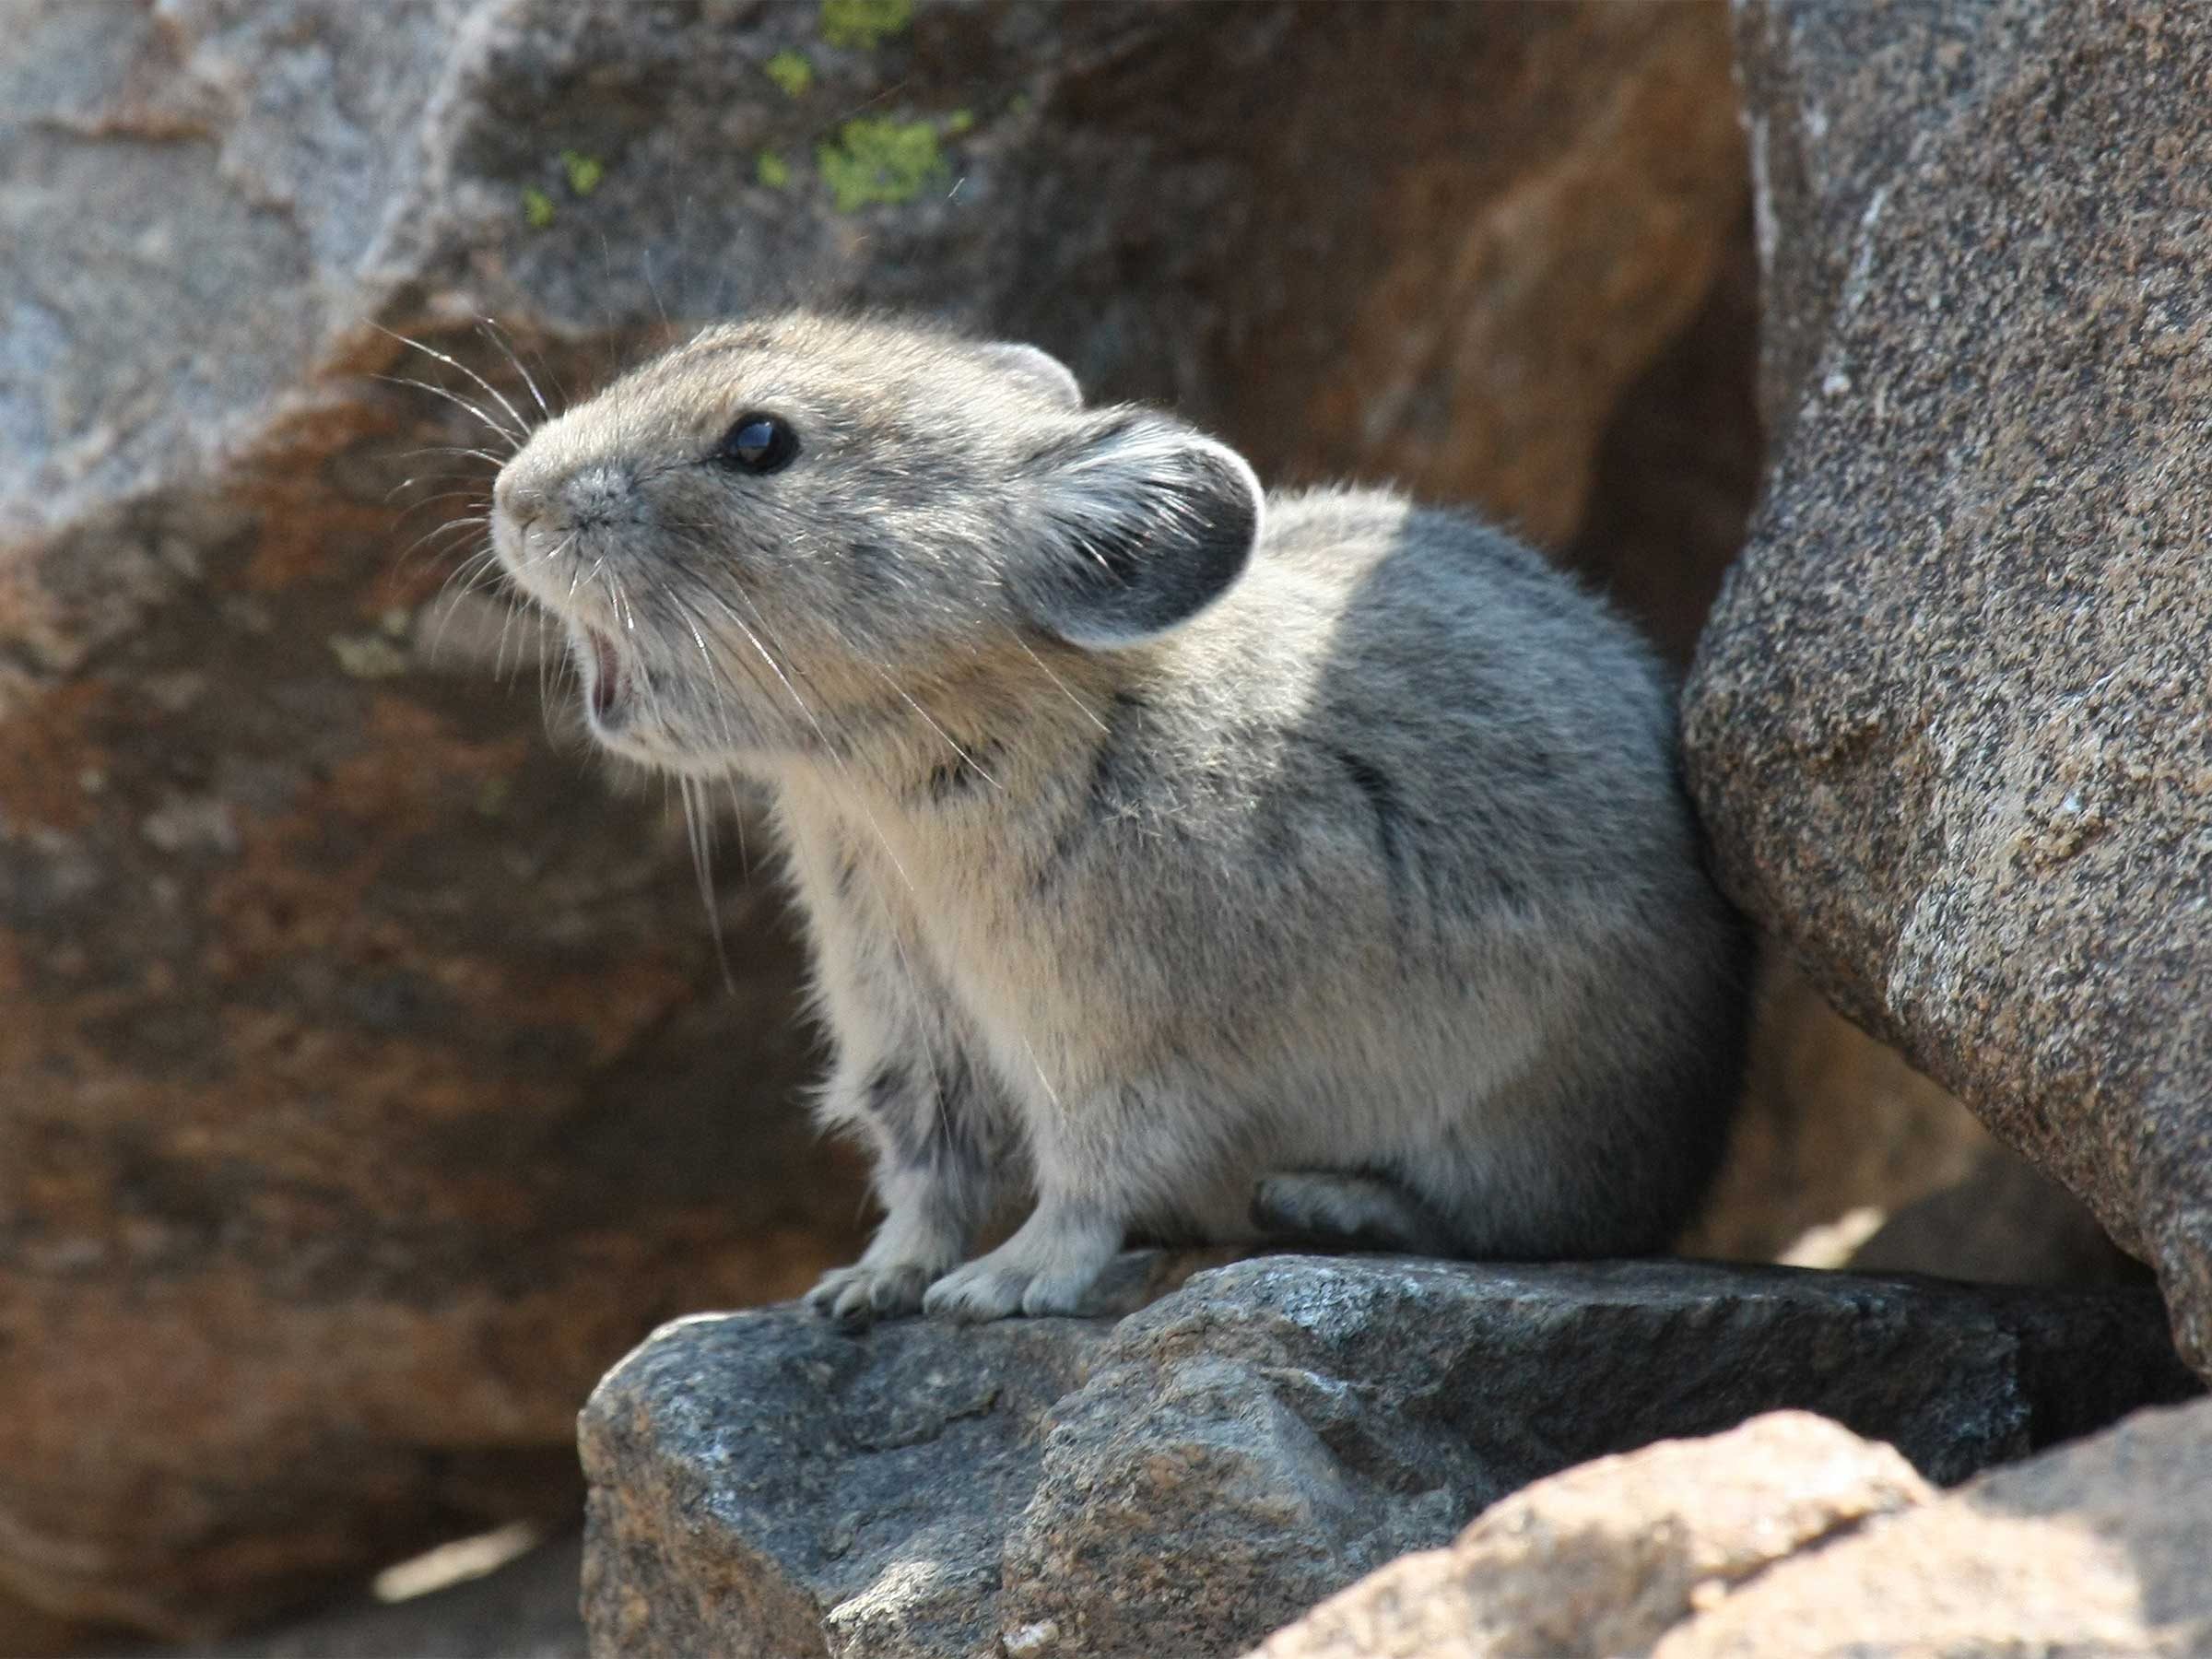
{"points": [[1198, 864]]}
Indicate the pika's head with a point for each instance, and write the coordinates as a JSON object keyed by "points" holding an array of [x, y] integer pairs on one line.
{"points": [[783, 529]]}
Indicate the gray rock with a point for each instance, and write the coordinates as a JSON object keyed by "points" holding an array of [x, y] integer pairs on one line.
{"points": [[369, 1085], [1948, 721], [1189, 1479]]}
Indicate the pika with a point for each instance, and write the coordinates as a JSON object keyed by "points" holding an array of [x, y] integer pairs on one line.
{"points": [[1203, 864]]}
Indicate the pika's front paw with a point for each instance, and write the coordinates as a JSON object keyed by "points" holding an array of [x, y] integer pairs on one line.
{"points": [[860, 1294], [990, 1288], [1050, 1265]]}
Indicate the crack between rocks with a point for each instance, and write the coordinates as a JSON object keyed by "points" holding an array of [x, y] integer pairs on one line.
{"points": [[1816, 1544]]}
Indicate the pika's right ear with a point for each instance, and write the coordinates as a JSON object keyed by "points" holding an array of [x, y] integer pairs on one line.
{"points": [[1141, 523], [1041, 370]]}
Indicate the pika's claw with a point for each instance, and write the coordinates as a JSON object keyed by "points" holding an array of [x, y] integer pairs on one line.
{"points": [[861, 1294]]}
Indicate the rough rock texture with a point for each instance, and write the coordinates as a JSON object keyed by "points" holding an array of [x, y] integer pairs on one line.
{"points": [[1603, 1560], [1191, 1479], [365, 1084], [2096, 1549], [1791, 1539], [1949, 723]]}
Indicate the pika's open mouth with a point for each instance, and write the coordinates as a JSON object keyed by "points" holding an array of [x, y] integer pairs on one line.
{"points": [[608, 682]]}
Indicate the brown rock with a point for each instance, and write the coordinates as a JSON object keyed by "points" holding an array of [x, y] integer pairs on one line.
{"points": [[366, 1086], [1949, 724], [1791, 1538], [2006, 1223], [1678, 468], [1842, 1155], [1835, 1131], [1605, 1558], [29, 1632], [525, 1609], [2097, 1548]]}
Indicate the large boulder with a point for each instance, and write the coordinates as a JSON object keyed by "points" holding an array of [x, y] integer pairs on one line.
{"points": [[1949, 723], [1792, 1539], [368, 1081], [1187, 1480]]}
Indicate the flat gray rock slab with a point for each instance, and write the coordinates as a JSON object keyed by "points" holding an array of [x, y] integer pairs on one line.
{"points": [[1187, 1479]]}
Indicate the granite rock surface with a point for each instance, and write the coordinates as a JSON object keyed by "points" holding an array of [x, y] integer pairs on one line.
{"points": [[1601, 1561], [1198, 1474], [1790, 1538], [1949, 723]]}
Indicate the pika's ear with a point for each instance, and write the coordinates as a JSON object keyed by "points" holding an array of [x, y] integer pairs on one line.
{"points": [[1142, 523], [1041, 370]]}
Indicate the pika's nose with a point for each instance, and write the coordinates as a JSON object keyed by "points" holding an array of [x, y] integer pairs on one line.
{"points": [[515, 496], [596, 492]]}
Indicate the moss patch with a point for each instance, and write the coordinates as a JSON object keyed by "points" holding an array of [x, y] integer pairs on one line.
{"points": [[882, 163], [583, 171], [538, 207], [791, 70], [772, 171], [863, 24]]}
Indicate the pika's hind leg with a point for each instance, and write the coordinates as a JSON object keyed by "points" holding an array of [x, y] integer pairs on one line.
{"points": [[1346, 1211]]}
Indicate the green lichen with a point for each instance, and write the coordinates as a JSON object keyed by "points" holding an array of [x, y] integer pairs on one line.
{"points": [[959, 121], [772, 171], [881, 163], [584, 171], [538, 207], [863, 24], [791, 70]]}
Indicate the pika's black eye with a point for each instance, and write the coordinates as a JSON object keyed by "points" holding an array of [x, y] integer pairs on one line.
{"points": [[758, 443]]}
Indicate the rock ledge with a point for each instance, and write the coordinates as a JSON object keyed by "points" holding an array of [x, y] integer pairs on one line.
{"points": [[1193, 1476]]}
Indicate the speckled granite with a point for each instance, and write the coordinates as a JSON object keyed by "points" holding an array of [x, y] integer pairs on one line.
{"points": [[1178, 1484], [1950, 722]]}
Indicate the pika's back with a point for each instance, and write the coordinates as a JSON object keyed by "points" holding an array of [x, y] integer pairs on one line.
{"points": [[1490, 693]]}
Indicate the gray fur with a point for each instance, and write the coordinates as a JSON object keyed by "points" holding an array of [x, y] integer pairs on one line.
{"points": [[1168, 853], [1045, 371]]}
